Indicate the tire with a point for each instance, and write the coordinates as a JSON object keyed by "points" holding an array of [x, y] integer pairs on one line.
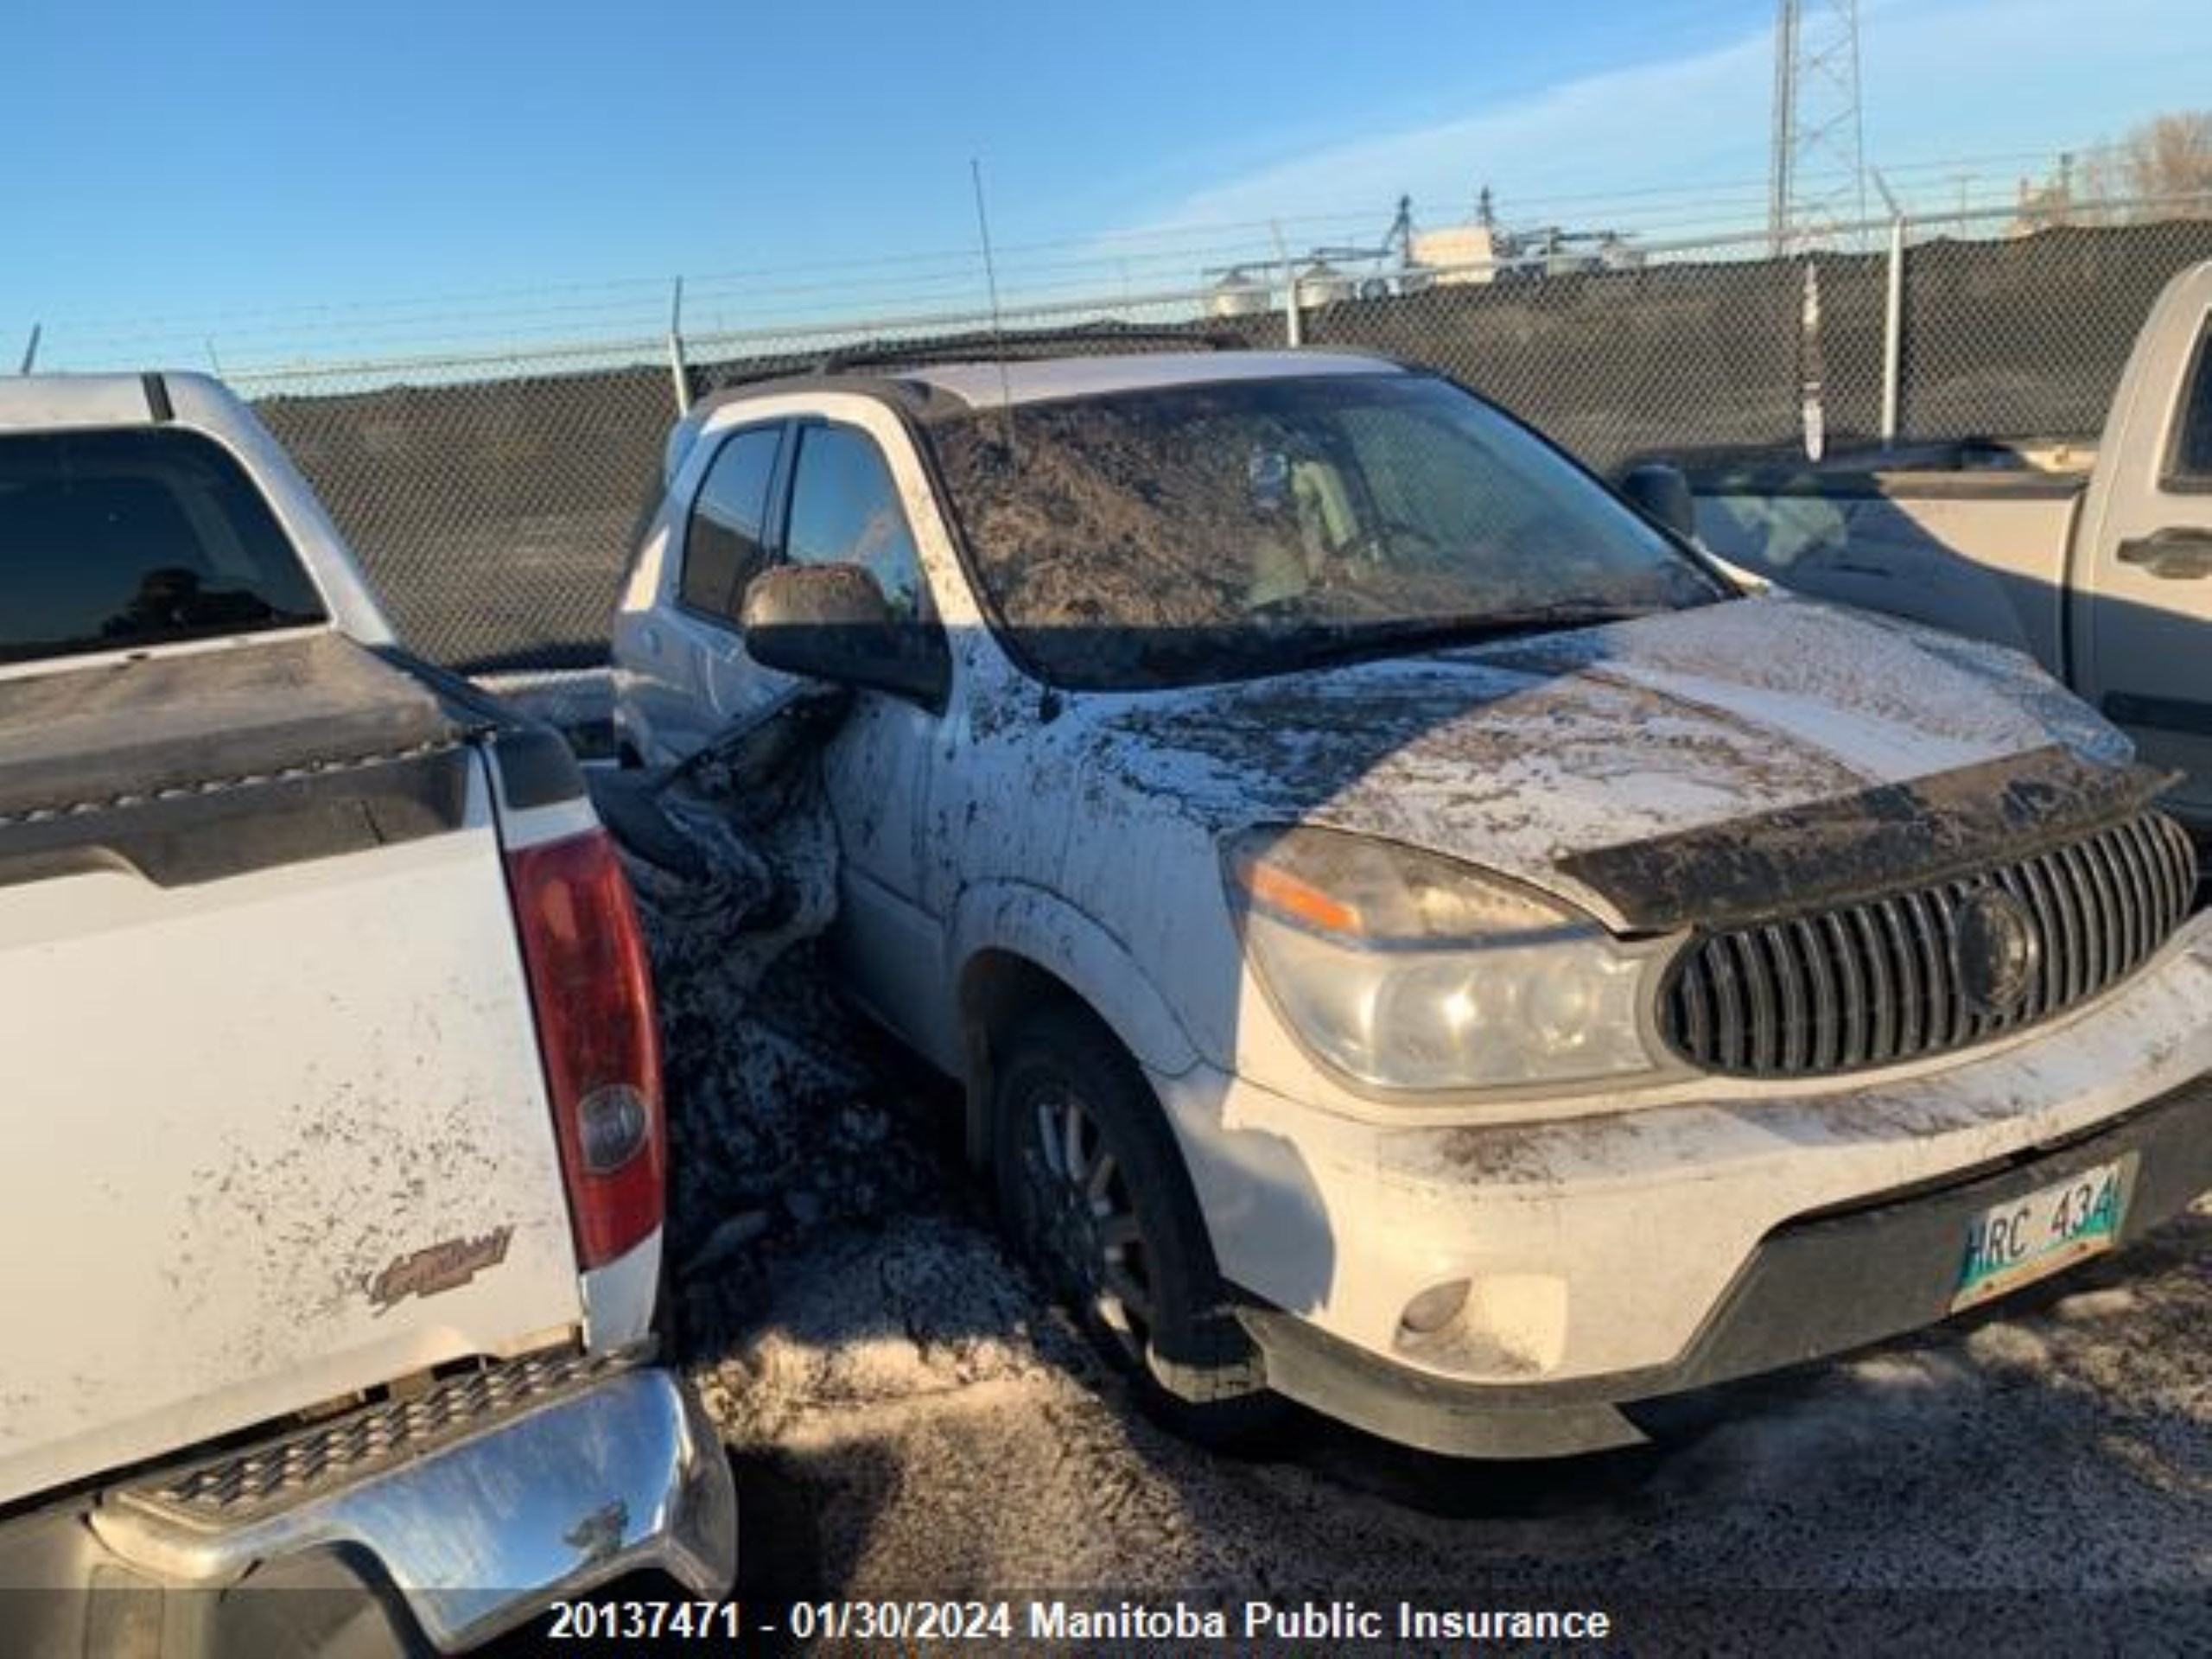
{"points": [[1122, 1244]]}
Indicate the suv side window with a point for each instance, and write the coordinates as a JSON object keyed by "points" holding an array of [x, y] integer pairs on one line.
{"points": [[845, 510], [724, 546], [2193, 447]]}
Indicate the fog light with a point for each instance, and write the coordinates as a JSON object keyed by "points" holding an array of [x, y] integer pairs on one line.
{"points": [[1434, 1308], [612, 1124], [1498, 1328]]}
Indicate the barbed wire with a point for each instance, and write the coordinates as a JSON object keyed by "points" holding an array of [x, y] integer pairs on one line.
{"points": [[491, 492], [1042, 271]]}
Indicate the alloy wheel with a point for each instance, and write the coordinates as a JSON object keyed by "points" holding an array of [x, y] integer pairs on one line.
{"points": [[1084, 1222]]}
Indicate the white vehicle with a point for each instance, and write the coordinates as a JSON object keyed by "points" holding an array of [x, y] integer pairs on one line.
{"points": [[330, 1221], [1418, 939], [2096, 560]]}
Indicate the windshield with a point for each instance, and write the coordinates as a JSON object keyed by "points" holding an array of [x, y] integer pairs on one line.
{"points": [[119, 540], [1194, 533]]}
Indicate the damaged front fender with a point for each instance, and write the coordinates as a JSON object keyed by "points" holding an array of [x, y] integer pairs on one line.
{"points": [[1027, 924]]}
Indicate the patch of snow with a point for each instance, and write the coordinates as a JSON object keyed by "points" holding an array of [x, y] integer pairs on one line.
{"points": [[2096, 1305], [2008, 1347]]}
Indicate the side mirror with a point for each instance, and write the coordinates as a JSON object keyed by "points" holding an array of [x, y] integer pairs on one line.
{"points": [[832, 622], [1662, 493]]}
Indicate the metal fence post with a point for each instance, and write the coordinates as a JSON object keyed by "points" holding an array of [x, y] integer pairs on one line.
{"points": [[1293, 325], [1893, 334], [1812, 367], [676, 367]]}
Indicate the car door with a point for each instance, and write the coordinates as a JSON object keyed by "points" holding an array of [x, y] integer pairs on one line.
{"points": [[2144, 622], [723, 542], [843, 507]]}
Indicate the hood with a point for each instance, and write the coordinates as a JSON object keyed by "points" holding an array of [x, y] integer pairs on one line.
{"points": [[1615, 766]]}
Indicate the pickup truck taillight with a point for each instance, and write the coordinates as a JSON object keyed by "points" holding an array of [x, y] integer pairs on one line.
{"points": [[592, 989]]}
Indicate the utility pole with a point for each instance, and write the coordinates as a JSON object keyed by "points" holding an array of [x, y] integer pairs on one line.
{"points": [[1816, 178]]}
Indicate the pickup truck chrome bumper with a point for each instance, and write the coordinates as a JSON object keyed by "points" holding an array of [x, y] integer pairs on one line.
{"points": [[475, 1504]]}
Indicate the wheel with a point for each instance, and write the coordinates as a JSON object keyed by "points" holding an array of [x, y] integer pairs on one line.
{"points": [[1094, 1195]]}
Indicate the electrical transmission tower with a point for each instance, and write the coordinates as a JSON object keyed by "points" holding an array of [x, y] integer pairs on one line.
{"points": [[1818, 177]]}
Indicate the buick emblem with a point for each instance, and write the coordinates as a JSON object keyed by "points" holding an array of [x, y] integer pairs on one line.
{"points": [[1997, 951]]}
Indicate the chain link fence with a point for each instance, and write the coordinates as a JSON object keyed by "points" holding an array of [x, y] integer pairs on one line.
{"points": [[492, 502], [2026, 337], [1704, 354], [495, 499]]}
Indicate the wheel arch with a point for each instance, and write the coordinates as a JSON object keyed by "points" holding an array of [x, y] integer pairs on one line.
{"points": [[1021, 947]]}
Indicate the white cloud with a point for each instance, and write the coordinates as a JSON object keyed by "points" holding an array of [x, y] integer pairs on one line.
{"points": [[1603, 129], [1680, 145]]}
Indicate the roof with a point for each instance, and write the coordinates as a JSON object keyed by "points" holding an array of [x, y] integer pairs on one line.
{"points": [[1036, 380], [33, 402], [1030, 380], [38, 402]]}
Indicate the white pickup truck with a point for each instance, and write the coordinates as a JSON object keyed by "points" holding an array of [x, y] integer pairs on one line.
{"points": [[330, 1221], [2097, 562]]}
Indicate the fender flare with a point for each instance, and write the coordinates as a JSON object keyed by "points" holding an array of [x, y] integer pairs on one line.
{"points": [[1045, 933]]}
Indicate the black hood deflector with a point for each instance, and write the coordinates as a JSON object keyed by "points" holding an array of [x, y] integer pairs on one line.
{"points": [[1895, 836]]}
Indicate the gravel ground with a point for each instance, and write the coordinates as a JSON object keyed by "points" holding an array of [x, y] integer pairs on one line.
{"points": [[910, 1419]]}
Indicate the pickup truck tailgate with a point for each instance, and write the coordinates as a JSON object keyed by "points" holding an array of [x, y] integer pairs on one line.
{"points": [[276, 1125]]}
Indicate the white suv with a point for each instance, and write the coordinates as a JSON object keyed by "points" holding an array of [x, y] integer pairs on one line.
{"points": [[1418, 937]]}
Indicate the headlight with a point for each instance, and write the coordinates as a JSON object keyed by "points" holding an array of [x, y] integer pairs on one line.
{"points": [[1404, 971]]}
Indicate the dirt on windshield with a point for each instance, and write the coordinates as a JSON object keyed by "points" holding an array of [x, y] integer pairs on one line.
{"points": [[1130, 540], [1067, 542]]}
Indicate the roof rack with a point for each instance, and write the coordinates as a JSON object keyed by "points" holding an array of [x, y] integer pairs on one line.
{"points": [[1028, 343], [978, 347]]}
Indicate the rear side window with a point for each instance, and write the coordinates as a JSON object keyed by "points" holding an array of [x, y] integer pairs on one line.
{"points": [[723, 545], [115, 541], [2193, 449], [845, 510]]}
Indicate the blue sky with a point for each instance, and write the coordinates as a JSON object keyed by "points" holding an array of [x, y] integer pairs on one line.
{"points": [[281, 177]]}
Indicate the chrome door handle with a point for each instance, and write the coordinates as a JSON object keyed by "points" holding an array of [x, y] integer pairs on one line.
{"points": [[2172, 555]]}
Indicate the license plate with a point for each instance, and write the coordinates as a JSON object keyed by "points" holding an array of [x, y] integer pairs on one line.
{"points": [[2034, 1236]]}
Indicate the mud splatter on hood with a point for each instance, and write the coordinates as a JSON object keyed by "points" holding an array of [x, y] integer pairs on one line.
{"points": [[1518, 755]]}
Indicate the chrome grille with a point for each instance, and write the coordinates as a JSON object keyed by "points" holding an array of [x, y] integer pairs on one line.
{"points": [[1880, 981]]}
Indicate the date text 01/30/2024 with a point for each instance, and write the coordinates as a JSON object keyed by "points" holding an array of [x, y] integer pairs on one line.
{"points": [[1059, 1621]]}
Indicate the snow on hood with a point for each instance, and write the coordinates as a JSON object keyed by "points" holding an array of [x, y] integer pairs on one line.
{"points": [[1518, 755]]}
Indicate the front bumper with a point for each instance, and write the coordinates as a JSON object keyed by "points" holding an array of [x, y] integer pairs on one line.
{"points": [[447, 1517], [1817, 1287], [1604, 1244]]}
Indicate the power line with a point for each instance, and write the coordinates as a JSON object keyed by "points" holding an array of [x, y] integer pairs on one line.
{"points": [[554, 316]]}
